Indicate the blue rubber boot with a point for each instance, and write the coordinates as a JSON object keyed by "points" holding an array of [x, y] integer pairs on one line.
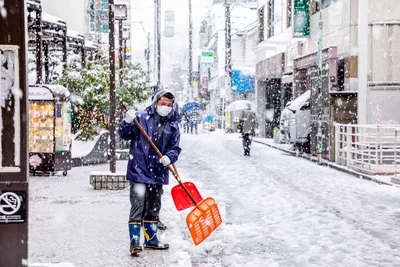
{"points": [[150, 236], [134, 235]]}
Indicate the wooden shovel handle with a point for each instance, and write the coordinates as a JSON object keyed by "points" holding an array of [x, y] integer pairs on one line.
{"points": [[173, 169]]}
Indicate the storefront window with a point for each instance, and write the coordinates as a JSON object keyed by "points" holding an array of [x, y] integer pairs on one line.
{"points": [[41, 125], [275, 11], [63, 126]]}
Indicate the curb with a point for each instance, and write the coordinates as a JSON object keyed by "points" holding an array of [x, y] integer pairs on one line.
{"points": [[330, 165]]}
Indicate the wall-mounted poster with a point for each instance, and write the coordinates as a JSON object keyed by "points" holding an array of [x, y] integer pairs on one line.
{"points": [[9, 90]]}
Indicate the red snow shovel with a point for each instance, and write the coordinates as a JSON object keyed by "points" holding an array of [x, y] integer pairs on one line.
{"points": [[205, 217], [181, 198]]}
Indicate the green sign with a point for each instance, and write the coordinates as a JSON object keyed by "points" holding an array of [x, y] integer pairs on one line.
{"points": [[105, 28], [104, 5], [301, 18], [207, 54]]}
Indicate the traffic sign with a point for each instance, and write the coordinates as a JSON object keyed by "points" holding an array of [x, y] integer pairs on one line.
{"points": [[207, 59]]}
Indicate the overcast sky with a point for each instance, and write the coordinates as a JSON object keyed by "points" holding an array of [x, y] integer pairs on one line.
{"points": [[173, 49]]}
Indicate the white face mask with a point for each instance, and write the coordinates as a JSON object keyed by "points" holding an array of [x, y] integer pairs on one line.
{"points": [[163, 111]]}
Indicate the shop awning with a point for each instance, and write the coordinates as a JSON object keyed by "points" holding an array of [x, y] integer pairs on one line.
{"points": [[241, 105], [75, 35], [34, 5], [47, 18], [75, 39], [287, 78], [48, 92], [91, 45]]}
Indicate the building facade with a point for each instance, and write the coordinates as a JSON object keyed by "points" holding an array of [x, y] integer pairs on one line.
{"points": [[212, 38], [288, 38]]}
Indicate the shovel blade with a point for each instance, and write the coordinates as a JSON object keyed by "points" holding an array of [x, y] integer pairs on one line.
{"points": [[181, 199], [203, 220]]}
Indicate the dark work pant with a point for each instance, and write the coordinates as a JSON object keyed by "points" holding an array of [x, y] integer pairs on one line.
{"points": [[145, 202], [193, 124], [246, 142]]}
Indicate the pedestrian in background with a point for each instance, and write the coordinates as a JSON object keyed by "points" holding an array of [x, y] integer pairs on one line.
{"points": [[247, 126], [194, 119]]}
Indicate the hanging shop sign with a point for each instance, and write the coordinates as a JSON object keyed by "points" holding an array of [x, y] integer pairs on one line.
{"points": [[301, 18]]}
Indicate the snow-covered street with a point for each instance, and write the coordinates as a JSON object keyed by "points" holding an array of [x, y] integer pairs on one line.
{"points": [[278, 210]]}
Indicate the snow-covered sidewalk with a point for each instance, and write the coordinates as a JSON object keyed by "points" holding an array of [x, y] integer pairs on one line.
{"points": [[277, 210], [288, 149]]}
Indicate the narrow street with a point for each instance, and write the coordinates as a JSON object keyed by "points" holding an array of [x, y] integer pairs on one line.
{"points": [[278, 210]]}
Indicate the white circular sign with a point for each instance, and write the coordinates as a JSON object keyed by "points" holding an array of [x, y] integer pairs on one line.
{"points": [[9, 203]]}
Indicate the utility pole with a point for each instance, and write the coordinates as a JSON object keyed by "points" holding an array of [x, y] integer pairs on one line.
{"points": [[228, 58], [14, 117], [190, 51], [39, 47], [320, 94], [121, 59], [158, 41], [155, 40], [112, 125], [363, 90], [125, 52], [148, 56]]}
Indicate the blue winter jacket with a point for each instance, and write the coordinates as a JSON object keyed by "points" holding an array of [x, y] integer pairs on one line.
{"points": [[144, 164]]}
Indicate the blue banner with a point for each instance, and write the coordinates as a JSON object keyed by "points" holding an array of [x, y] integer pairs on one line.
{"points": [[242, 82]]}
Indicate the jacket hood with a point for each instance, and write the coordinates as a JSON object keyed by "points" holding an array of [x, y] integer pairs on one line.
{"points": [[173, 115]]}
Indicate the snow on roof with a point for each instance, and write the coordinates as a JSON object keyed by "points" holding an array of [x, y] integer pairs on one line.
{"points": [[90, 44], [31, 2], [57, 89], [386, 22], [53, 19], [74, 34]]}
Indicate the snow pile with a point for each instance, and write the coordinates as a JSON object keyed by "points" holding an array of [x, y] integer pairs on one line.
{"points": [[63, 264], [81, 148]]}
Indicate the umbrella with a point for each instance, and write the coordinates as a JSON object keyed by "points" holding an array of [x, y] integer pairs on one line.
{"points": [[193, 104], [208, 118], [240, 105]]}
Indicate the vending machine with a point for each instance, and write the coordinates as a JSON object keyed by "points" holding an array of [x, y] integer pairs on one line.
{"points": [[50, 118]]}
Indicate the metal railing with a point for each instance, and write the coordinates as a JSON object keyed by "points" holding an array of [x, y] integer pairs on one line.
{"points": [[373, 149], [396, 174]]}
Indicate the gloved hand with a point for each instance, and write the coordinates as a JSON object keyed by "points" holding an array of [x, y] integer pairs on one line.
{"points": [[165, 161], [130, 116]]}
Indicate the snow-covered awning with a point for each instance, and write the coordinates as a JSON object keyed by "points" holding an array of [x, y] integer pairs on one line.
{"points": [[48, 92], [91, 45], [241, 105], [75, 34], [34, 4], [53, 19]]}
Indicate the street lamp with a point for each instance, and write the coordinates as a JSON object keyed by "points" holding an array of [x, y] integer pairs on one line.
{"points": [[319, 133], [121, 14]]}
